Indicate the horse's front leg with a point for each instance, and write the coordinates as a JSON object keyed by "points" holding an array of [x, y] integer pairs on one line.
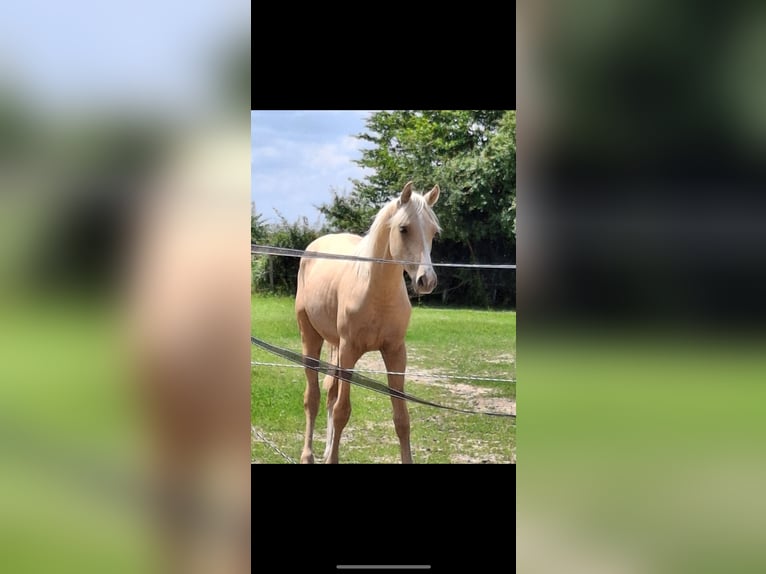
{"points": [[395, 359], [341, 411], [331, 385]]}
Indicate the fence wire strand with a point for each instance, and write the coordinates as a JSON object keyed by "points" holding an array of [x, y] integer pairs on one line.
{"points": [[288, 252], [260, 436]]}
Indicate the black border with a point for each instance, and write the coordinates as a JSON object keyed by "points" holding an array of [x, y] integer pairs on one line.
{"points": [[311, 519], [392, 60]]}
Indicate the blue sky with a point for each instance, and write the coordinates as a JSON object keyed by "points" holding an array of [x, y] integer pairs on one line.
{"points": [[299, 156], [155, 53]]}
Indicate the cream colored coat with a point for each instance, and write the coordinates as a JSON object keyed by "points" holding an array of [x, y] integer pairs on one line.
{"points": [[359, 307]]}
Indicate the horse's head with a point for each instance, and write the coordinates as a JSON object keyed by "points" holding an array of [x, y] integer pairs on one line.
{"points": [[412, 230]]}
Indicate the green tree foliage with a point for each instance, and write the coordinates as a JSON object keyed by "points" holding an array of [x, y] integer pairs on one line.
{"points": [[471, 154], [258, 229], [277, 274]]}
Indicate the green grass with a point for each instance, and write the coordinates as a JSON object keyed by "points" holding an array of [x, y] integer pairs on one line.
{"points": [[439, 341]]}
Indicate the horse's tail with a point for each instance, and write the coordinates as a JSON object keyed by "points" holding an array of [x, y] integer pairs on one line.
{"points": [[330, 380]]}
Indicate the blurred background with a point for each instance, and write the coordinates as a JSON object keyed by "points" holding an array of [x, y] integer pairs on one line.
{"points": [[642, 138], [124, 206]]}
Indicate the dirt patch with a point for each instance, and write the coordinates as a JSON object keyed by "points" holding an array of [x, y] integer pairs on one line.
{"points": [[474, 451], [501, 359], [475, 396], [371, 361], [461, 394]]}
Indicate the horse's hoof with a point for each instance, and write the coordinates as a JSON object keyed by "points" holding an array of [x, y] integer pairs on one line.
{"points": [[307, 459]]}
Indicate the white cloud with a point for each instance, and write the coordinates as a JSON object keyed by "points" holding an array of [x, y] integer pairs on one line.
{"points": [[266, 151], [299, 157]]}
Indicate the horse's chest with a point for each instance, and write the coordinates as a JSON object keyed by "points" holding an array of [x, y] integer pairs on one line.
{"points": [[370, 329]]}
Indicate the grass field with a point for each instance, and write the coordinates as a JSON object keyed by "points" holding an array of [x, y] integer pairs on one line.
{"points": [[439, 341]]}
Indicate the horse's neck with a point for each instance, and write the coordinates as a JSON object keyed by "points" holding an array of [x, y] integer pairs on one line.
{"points": [[382, 276]]}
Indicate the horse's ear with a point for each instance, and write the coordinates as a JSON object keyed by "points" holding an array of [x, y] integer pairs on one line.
{"points": [[406, 193], [432, 196]]}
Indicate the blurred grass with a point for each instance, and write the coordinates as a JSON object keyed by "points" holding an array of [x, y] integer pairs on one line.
{"points": [[69, 442], [451, 340], [642, 451]]}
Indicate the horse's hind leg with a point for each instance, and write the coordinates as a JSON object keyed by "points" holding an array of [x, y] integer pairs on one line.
{"points": [[331, 385], [312, 347], [396, 361]]}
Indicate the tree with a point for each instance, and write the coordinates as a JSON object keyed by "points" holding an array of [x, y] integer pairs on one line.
{"points": [[471, 154], [278, 274], [258, 227]]}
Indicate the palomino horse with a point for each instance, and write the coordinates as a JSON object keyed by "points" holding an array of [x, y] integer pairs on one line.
{"points": [[361, 306]]}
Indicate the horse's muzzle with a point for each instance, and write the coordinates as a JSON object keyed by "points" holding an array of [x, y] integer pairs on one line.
{"points": [[425, 283]]}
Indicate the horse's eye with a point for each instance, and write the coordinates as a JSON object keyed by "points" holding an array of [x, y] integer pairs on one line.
{"points": [[403, 229]]}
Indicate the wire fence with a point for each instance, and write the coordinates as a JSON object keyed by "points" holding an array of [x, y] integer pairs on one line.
{"points": [[288, 252], [256, 249], [360, 380], [262, 438]]}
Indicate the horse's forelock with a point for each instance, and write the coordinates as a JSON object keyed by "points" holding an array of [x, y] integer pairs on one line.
{"points": [[390, 215], [421, 207]]}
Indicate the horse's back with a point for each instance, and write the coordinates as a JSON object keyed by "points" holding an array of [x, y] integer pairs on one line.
{"points": [[336, 243], [319, 273]]}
